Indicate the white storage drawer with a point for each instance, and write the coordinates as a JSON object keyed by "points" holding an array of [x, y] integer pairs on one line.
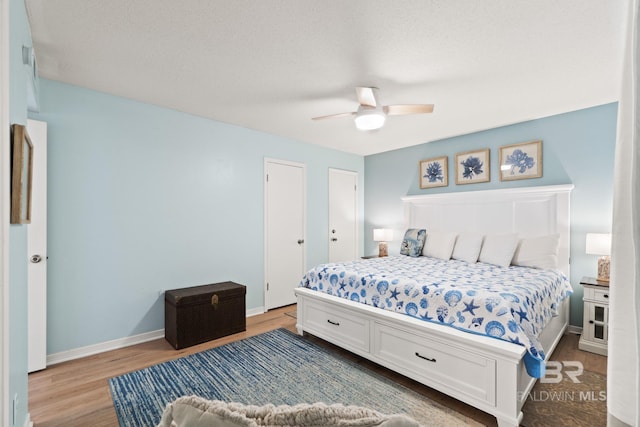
{"points": [[438, 364], [336, 325], [596, 294], [600, 295]]}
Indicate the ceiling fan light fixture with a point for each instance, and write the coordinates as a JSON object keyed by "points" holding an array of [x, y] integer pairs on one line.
{"points": [[371, 115], [370, 119]]}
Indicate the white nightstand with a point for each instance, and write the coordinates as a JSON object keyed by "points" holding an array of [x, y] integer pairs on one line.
{"points": [[595, 327]]}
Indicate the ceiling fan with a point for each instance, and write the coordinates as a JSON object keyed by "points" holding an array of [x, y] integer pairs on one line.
{"points": [[370, 115]]}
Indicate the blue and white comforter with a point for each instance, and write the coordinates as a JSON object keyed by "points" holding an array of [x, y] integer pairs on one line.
{"points": [[512, 304]]}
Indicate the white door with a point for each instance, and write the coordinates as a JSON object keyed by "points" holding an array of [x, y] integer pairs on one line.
{"points": [[37, 249], [343, 214], [285, 223]]}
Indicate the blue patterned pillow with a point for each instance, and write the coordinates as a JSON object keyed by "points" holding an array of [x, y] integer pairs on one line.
{"points": [[413, 242]]}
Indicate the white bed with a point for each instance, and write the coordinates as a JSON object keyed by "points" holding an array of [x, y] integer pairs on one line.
{"points": [[486, 373]]}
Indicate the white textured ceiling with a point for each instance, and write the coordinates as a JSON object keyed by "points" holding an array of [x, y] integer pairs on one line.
{"points": [[271, 65]]}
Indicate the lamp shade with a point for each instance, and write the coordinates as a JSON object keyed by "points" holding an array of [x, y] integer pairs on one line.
{"points": [[598, 244], [382, 234]]}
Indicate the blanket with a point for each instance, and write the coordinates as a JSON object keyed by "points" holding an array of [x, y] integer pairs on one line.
{"points": [[509, 303], [195, 411]]}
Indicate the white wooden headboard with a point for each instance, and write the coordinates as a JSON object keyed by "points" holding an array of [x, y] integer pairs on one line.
{"points": [[529, 212]]}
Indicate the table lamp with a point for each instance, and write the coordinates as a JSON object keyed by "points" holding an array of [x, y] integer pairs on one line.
{"points": [[600, 244], [382, 235]]}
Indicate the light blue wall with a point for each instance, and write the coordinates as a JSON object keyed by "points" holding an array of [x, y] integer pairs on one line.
{"points": [[19, 35], [578, 148], [144, 199]]}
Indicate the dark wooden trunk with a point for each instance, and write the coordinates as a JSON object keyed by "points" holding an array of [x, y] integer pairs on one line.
{"points": [[203, 313]]}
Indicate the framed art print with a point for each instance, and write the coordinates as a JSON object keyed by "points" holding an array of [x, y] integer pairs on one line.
{"points": [[473, 167], [521, 161], [21, 175], [434, 172]]}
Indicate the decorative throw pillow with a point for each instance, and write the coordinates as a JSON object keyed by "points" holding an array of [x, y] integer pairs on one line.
{"points": [[413, 242], [498, 249], [195, 411], [467, 247], [439, 244], [538, 252]]}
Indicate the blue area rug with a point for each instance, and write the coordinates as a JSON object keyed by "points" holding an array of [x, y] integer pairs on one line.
{"points": [[276, 367]]}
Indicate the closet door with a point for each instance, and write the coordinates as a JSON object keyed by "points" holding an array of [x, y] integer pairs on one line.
{"points": [[285, 223], [343, 211]]}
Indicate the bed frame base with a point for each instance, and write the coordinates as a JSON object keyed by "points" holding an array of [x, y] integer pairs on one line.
{"points": [[486, 373]]}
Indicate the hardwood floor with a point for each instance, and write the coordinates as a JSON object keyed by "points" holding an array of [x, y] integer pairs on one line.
{"points": [[76, 393]]}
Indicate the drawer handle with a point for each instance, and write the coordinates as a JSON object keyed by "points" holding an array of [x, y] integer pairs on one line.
{"points": [[606, 295], [333, 323], [424, 357], [214, 301]]}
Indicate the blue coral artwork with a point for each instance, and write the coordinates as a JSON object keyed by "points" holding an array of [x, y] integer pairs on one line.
{"points": [[521, 161], [473, 166], [434, 172]]}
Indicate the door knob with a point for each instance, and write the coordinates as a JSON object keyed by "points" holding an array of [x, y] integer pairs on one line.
{"points": [[300, 241], [35, 259]]}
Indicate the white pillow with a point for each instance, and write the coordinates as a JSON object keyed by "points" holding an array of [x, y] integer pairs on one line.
{"points": [[538, 252], [498, 249], [467, 247], [439, 244]]}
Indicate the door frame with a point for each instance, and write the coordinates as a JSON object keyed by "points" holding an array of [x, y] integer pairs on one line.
{"points": [[268, 160], [4, 211], [356, 207]]}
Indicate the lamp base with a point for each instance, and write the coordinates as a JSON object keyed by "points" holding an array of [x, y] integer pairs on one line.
{"points": [[604, 264], [382, 249]]}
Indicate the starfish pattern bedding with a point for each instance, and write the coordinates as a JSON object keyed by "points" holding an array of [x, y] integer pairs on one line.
{"points": [[509, 303]]}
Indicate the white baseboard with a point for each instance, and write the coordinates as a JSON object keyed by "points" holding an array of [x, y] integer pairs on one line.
{"points": [[255, 311], [90, 350], [574, 330]]}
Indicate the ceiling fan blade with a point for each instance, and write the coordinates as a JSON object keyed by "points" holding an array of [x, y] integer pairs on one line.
{"points": [[367, 96], [396, 110], [333, 116]]}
